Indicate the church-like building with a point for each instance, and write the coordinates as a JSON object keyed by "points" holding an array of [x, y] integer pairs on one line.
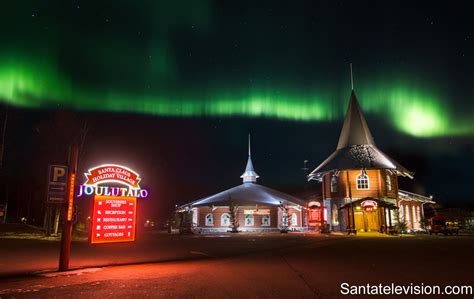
{"points": [[360, 183], [248, 207]]}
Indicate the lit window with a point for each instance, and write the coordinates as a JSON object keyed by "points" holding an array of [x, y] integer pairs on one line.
{"points": [[284, 219], [249, 221], [294, 219], [209, 220], [362, 181], [195, 216], [407, 214], [334, 184], [388, 182], [225, 219], [335, 214], [265, 220]]}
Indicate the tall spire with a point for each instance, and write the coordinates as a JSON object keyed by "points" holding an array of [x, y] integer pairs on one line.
{"points": [[354, 130], [352, 79], [249, 176]]}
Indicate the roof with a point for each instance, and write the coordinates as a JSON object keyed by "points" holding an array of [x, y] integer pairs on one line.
{"points": [[247, 194], [409, 196], [354, 130], [249, 174], [356, 148]]}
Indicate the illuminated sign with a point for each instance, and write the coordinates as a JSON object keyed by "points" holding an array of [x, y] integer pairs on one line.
{"points": [[114, 219], [257, 212], [112, 173], [368, 203], [314, 216], [111, 191], [70, 200]]}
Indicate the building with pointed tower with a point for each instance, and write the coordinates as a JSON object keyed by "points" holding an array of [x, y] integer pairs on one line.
{"points": [[251, 206], [360, 183]]}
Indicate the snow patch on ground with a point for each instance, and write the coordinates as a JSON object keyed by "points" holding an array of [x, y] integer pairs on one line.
{"points": [[68, 273]]}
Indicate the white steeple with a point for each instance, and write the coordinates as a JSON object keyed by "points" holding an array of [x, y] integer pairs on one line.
{"points": [[249, 176]]}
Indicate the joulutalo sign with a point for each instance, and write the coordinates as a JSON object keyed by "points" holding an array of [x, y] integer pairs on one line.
{"points": [[114, 208]]}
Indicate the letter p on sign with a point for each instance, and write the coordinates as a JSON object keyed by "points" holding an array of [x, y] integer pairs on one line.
{"points": [[58, 172]]}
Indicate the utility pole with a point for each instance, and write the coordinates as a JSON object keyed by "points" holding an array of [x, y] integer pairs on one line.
{"points": [[66, 235]]}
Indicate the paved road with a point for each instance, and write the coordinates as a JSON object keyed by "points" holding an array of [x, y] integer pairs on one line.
{"points": [[26, 256], [271, 266]]}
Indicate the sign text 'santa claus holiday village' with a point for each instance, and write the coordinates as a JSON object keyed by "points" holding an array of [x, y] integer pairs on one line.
{"points": [[113, 173], [114, 207]]}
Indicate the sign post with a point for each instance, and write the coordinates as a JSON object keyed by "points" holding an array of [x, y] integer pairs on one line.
{"points": [[67, 229]]}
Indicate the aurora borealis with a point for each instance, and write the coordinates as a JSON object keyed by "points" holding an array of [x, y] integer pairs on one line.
{"points": [[126, 64], [32, 84]]}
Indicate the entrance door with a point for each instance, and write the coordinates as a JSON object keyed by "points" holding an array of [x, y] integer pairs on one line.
{"points": [[359, 221], [373, 223]]}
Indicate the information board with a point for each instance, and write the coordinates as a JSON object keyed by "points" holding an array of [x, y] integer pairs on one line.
{"points": [[114, 219], [314, 216]]}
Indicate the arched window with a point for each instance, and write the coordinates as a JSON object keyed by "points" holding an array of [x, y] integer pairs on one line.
{"points": [[225, 219], [284, 219], [407, 215], [388, 182], [294, 219], [265, 220], [402, 213], [209, 220], [362, 181], [334, 184], [249, 220], [195, 216]]}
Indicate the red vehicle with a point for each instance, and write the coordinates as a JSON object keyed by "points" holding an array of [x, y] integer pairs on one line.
{"points": [[439, 224]]}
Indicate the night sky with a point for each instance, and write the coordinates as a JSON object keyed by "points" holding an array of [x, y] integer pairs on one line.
{"points": [[171, 89]]}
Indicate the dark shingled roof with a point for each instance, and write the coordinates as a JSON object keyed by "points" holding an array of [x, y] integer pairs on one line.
{"points": [[356, 148], [247, 194]]}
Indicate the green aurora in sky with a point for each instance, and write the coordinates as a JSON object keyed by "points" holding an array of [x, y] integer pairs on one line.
{"points": [[25, 82], [178, 58]]}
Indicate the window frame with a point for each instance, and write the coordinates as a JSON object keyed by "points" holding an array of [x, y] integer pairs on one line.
{"points": [[253, 220], [359, 179], [269, 220], [222, 217], [333, 184], [212, 218], [294, 216], [388, 182]]}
